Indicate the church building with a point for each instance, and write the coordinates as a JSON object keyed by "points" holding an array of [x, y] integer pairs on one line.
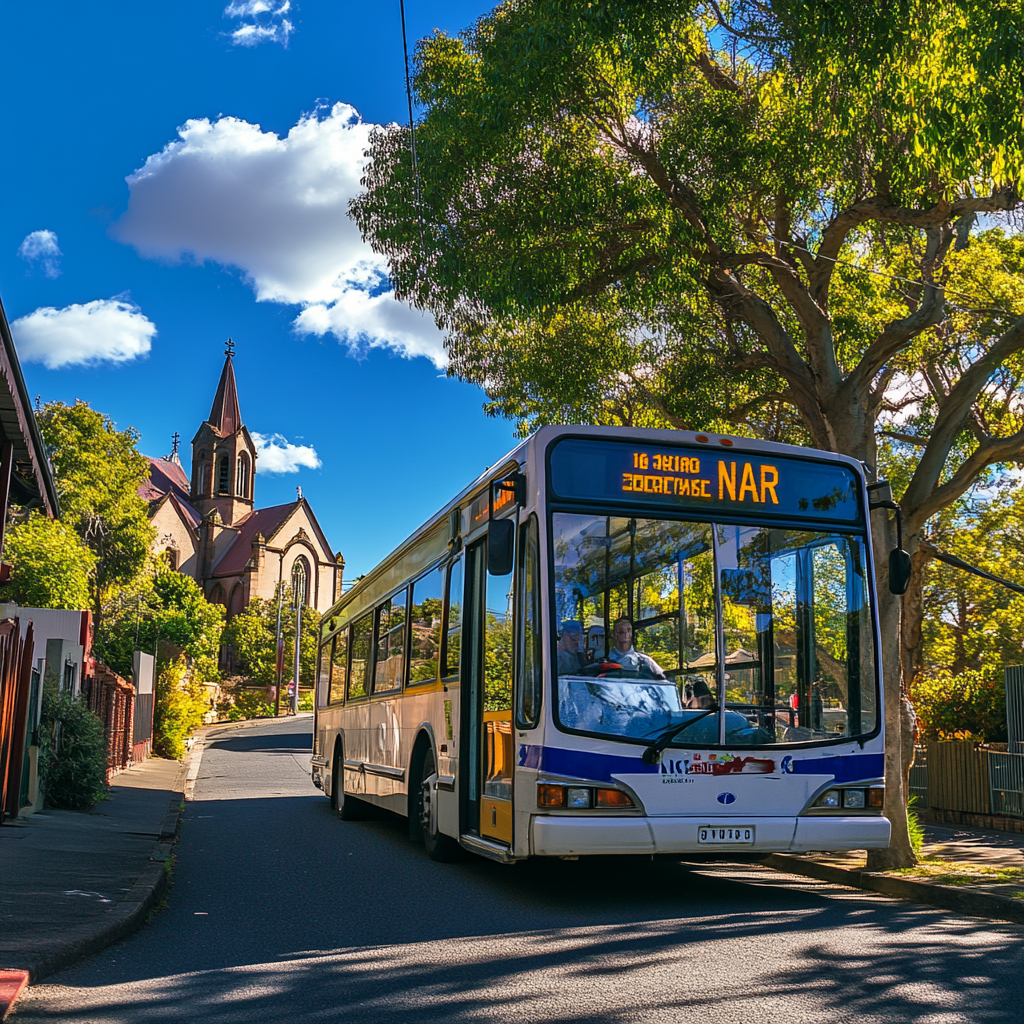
{"points": [[209, 528]]}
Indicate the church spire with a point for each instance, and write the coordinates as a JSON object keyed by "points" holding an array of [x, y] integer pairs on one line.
{"points": [[225, 416]]}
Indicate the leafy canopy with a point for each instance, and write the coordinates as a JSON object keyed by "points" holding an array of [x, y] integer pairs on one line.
{"points": [[748, 216], [50, 564], [98, 470]]}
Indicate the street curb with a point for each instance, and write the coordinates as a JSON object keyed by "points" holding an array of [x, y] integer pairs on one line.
{"points": [[948, 897], [128, 914]]}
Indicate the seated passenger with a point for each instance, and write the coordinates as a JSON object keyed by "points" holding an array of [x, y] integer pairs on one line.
{"points": [[626, 655], [570, 658], [697, 695]]}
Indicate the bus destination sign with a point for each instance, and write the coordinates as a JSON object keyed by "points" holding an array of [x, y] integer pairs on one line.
{"points": [[707, 478]]}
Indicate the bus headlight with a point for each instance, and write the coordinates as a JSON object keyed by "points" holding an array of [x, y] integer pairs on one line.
{"points": [[830, 798], [581, 798], [853, 797], [859, 798]]}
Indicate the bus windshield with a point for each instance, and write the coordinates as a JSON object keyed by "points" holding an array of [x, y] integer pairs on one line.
{"points": [[658, 621]]}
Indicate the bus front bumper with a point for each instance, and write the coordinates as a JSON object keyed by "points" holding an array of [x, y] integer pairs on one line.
{"points": [[568, 836]]}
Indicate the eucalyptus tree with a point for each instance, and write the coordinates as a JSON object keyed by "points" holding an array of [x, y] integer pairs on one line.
{"points": [[706, 213]]}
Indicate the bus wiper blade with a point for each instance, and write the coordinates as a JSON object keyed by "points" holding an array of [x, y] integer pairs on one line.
{"points": [[652, 754]]}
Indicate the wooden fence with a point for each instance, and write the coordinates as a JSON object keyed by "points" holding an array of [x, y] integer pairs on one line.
{"points": [[958, 777]]}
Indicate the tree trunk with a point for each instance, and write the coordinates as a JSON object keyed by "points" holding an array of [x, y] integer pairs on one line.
{"points": [[899, 714]]}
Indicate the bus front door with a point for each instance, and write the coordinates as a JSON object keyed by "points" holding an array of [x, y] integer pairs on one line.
{"points": [[490, 712]]}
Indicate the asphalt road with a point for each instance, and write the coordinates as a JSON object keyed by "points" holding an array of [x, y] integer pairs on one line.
{"points": [[281, 912]]}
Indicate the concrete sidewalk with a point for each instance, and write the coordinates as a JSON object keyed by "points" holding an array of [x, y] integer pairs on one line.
{"points": [[73, 882], [979, 873]]}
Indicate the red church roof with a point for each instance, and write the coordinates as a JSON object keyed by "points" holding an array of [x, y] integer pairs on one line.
{"points": [[263, 520]]}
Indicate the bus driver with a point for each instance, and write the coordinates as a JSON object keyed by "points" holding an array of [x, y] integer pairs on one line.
{"points": [[625, 654]]}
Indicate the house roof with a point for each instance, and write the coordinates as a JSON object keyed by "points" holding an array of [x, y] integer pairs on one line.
{"points": [[225, 416], [31, 477]]}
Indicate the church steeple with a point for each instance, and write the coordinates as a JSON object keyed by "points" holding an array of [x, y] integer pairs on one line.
{"points": [[223, 454], [225, 416]]}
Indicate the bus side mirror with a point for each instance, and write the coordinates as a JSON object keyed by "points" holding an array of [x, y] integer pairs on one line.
{"points": [[501, 535], [899, 571]]}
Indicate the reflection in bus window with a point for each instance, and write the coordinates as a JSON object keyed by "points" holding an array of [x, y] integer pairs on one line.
{"points": [[453, 641], [530, 677], [389, 657], [323, 673], [498, 648], [362, 635], [425, 613], [339, 666], [795, 621]]}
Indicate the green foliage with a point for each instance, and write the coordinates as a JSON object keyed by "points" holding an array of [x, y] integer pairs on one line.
{"points": [[51, 565], [736, 217], [179, 710], [166, 606], [970, 622], [971, 705], [252, 634], [98, 470], [914, 826], [251, 703], [73, 760], [306, 700]]}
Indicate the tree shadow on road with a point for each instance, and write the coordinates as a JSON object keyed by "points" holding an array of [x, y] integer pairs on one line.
{"points": [[310, 918]]}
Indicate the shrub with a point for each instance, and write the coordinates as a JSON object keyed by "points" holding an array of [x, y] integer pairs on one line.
{"points": [[73, 762], [180, 707], [251, 703], [305, 700], [971, 705]]}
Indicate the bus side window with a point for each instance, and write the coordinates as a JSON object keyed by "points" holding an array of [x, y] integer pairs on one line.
{"points": [[339, 666], [453, 617], [530, 678], [323, 673], [389, 656], [425, 618], [362, 635]]}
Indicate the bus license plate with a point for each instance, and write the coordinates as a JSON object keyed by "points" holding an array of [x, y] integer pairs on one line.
{"points": [[727, 835]]}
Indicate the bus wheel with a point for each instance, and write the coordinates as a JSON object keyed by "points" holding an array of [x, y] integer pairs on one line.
{"points": [[348, 807], [439, 846]]}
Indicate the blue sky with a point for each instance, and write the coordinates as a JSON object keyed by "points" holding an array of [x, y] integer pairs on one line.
{"points": [[125, 293]]}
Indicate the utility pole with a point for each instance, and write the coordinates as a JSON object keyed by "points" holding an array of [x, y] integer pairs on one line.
{"points": [[298, 648], [278, 653]]}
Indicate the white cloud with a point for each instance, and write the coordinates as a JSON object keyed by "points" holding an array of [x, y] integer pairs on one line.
{"points": [[278, 455], [269, 24], [277, 208], [101, 331], [40, 247]]}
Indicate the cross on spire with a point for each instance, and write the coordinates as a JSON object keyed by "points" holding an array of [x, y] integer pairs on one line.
{"points": [[175, 440], [229, 348]]}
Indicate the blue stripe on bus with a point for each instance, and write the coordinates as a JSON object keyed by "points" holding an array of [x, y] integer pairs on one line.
{"points": [[584, 764], [842, 767]]}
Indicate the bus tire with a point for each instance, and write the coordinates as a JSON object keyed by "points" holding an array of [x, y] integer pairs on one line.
{"points": [[348, 807], [440, 847]]}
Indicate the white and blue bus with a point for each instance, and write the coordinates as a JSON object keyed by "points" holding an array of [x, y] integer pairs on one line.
{"points": [[618, 641]]}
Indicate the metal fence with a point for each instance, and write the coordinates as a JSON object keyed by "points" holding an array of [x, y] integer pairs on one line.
{"points": [[1014, 676], [1006, 783]]}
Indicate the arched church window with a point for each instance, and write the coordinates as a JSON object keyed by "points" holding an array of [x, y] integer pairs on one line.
{"points": [[201, 472], [242, 476], [223, 475], [300, 580]]}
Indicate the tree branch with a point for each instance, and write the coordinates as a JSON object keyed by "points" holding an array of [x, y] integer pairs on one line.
{"points": [[953, 414]]}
